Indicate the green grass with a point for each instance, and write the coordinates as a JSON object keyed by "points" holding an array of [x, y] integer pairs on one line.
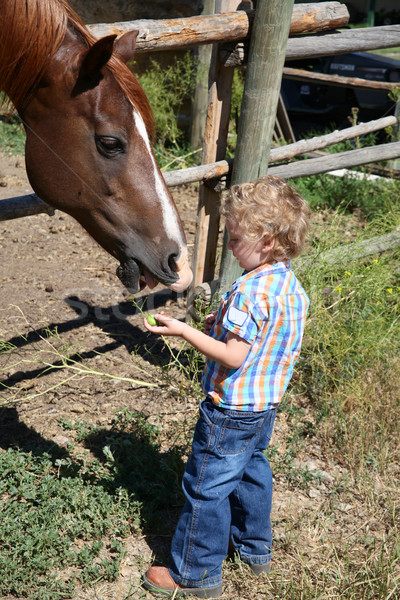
{"points": [[12, 136], [49, 505]]}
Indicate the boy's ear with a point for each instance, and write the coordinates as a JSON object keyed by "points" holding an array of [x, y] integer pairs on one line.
{"points": [[268, 243]]}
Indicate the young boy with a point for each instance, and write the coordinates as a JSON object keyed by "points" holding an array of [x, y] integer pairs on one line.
{"points": [[251, 345]]}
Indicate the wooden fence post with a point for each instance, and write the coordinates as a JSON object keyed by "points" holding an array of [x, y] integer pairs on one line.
{"points": [[371, 13], [395, 164], [200, 100], [214, 148], [259, 105]]}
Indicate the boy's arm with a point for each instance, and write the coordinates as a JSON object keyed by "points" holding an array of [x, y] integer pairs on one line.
{"points": [[230, 354]]}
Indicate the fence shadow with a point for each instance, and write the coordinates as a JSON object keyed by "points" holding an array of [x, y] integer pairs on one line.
{"points": [[111, 320], [151, 477]]}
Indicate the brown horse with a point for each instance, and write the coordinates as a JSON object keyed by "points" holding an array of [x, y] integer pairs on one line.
{"points": [[88, 151]]}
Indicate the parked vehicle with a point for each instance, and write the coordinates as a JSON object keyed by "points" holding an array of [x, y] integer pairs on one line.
{"points": [[329, 102]]}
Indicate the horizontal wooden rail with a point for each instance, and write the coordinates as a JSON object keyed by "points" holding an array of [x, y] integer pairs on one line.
{"points": [[283, 153], [23, 206], [200, 173], [323, 141], [330, 43], [352, 251], [171, 34], [341, 42], [336, 80], [341, 160]]}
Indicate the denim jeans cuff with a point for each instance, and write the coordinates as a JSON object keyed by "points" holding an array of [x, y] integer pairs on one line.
{"points": [[256, 559], [203, 583]]}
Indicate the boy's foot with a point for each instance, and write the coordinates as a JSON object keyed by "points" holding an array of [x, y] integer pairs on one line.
{"points": [[159, 581], [258, 569]]}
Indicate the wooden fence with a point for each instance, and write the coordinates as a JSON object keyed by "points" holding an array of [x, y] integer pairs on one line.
{"points": [[231, 32]]}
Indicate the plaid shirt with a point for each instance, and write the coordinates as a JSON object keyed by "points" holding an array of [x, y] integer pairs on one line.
{"points": [[267, 308]]}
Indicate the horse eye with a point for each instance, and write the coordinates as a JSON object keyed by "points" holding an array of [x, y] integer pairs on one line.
{"points": [[108, 146]]}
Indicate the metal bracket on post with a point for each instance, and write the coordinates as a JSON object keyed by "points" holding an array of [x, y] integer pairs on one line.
{"points": [[203, 295]]}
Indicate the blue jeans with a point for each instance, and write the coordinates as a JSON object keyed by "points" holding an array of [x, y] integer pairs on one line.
{"points": [[228, 486]]}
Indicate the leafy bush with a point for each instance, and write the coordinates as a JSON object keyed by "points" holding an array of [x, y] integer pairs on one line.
{"points": [[168, 88]]}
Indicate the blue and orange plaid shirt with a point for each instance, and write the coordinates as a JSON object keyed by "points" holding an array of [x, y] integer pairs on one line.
{"points": [[267, 308]]}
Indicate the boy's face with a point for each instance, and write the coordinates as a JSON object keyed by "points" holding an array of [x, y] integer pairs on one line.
{"points": [[249, 254]]}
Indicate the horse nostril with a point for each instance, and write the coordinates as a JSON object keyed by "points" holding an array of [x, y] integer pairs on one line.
{"points": [[172, 263]]}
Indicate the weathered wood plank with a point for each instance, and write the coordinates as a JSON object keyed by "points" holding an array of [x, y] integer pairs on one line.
{"points": [[214, 149], [318, 16], [326, 44], [341, 42], [259, 106], [201, 173], [169, 34], [199, 106], [336, 80], [353, 251], [23, 206], [318, 142], [236, 26], [351, 158], [222, 167]]}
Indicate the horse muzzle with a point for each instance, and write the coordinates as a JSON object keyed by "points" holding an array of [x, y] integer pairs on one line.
{"points": [[135, 276], [184, 273]]}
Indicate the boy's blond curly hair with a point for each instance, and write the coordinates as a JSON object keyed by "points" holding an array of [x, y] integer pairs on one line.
{"points": [[269, 206]]}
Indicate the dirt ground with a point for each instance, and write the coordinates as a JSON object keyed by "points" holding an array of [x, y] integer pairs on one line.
{"points": [[54, 276]]}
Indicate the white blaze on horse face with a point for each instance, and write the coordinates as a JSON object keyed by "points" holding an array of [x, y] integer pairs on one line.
{"points": [[169, 215], [170, 219]]}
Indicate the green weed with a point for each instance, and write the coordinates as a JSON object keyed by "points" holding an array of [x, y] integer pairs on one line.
{"points": [[350, 352], [44, 513], [74, 511]]}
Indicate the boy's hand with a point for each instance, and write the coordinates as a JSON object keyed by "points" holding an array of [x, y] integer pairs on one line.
{"points": [[209, 322], [167, 325]]}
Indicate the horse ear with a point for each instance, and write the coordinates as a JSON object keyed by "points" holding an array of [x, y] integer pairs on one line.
{"points": [[96, 57], [125, 45]]}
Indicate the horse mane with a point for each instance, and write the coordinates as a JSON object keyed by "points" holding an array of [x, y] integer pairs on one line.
{"points": [[31, 33]]}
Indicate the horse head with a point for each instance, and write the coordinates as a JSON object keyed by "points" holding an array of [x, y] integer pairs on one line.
{"points": [[88, 153]]}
